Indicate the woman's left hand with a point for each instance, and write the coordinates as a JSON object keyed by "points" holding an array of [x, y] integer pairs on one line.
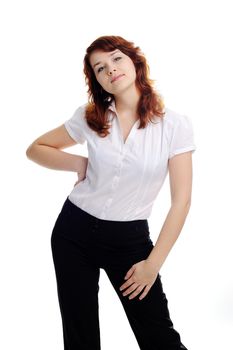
{"points": [[141, 275]]}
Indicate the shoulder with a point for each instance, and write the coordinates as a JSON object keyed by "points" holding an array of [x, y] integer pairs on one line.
{"points": [[173, 119], [171, 116], [79, 114], [77, 119], [81, 110]]}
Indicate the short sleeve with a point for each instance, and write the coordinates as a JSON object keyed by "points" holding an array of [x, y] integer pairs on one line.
{"points": [[182, 138], [76, 125]]}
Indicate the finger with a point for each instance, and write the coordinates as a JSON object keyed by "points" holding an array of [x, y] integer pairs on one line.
{"points": [[145, 292], [129, 273], [136, 292], [130, 289], [126, 284]]}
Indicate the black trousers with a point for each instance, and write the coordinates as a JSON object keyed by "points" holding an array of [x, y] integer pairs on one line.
{"points": [[81, 245]]}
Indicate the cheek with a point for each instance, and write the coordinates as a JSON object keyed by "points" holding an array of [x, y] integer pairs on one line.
{"points": [[132, 73], [100, 81], [131, 69], [97, 78]]}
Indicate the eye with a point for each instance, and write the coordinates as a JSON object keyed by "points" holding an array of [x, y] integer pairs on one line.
{"points": [[118, 57], [99, 70]]}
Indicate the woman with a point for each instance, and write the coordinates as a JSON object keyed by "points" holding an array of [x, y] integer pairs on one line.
{"points": [[133, 141]]}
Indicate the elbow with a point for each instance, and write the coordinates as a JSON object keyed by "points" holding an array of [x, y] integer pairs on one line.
{"points": [[188, 204], [182, 203], [29, 151]]}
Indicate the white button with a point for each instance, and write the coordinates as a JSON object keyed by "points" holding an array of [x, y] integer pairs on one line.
{"points": [[115, 181]]}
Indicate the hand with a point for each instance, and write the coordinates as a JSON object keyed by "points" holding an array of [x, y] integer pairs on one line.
{"points": [[81, 177], [140, 275], [82, 172]]}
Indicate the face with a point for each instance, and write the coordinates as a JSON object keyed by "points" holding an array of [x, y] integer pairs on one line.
{"points": [[107, 65]]}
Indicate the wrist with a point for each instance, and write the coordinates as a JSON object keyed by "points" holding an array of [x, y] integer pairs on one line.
{"points": [[155, 265], [81, 165]]}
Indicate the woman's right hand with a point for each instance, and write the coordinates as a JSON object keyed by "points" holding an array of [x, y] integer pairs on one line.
{"points": [[82, 172], [81, 177]]}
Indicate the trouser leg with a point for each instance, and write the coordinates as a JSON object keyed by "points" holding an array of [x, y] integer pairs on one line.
{"points": [[77, 287], [149, 318]]}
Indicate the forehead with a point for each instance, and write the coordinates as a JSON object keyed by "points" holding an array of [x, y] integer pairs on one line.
{"points": [[99, 55]]}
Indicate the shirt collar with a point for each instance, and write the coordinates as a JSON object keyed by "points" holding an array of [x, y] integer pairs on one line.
{"points": [[112, 107]]}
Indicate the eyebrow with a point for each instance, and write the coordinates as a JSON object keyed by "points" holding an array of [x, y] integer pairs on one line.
{"points": [[109, 55]]}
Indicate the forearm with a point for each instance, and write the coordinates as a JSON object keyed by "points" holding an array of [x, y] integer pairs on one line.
{"points": [[168, 235], [56, 159]]}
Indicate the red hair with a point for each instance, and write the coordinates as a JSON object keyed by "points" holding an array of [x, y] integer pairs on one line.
{"points": [[150, 102]]}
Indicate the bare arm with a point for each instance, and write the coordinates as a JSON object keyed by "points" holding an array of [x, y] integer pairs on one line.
{"points": [[46, 151], [180, 173]]}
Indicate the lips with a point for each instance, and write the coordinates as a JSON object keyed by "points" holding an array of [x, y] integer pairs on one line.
{"points": [[115, 78]]}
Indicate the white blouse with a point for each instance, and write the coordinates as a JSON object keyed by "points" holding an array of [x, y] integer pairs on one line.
{"points": [[123, 179]]}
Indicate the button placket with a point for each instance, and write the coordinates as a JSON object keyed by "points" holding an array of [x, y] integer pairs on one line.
{"points": [[130, 135], [115, 181]]}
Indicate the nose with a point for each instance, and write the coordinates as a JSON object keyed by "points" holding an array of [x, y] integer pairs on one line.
{"points": [[110, 71]]}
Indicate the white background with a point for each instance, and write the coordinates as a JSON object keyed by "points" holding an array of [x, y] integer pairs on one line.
{"points": [[188, 48]]}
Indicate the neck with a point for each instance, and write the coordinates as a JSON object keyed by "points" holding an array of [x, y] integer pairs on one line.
{"points": [[127, 102]]}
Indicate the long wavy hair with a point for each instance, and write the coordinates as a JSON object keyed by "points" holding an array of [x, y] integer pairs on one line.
{"points": [[150, 102]]}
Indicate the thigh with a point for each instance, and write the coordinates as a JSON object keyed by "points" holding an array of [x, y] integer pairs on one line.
{"points": [[129, 247], [70, 250], [153, 305], [149, 318], [76, 274]]}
